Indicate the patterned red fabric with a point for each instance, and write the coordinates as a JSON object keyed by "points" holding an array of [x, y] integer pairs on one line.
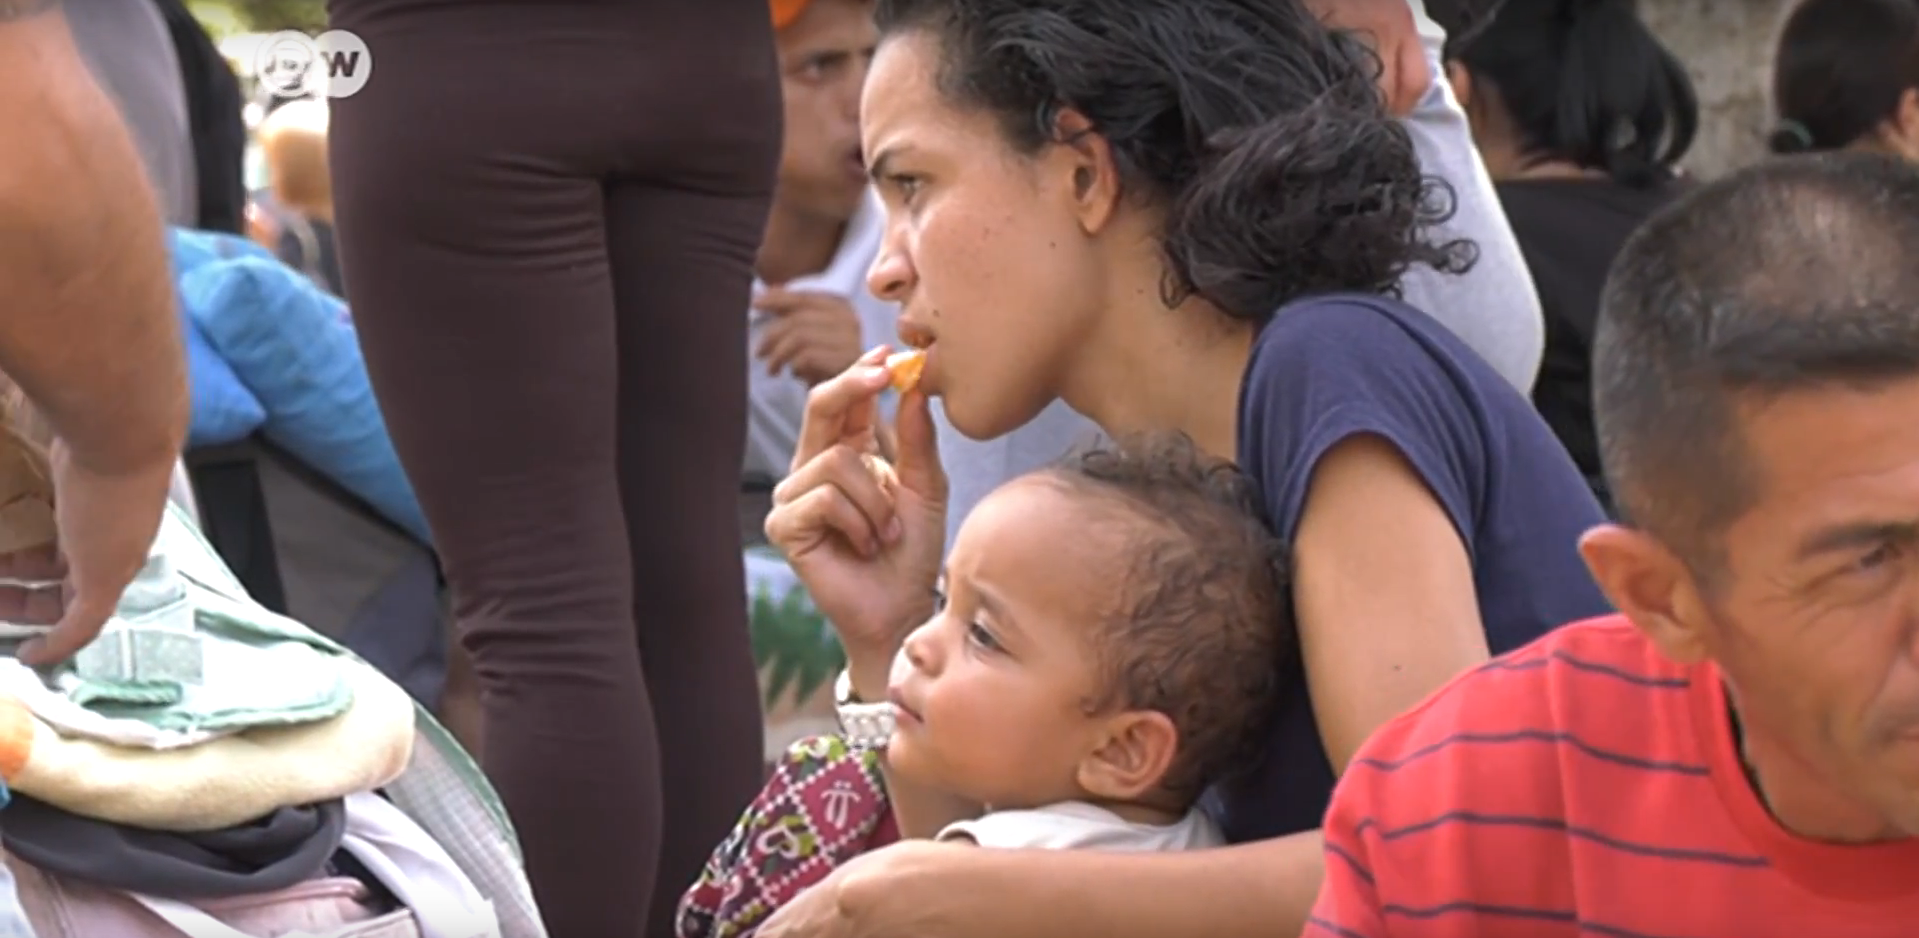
{"points": [[825, 805]]}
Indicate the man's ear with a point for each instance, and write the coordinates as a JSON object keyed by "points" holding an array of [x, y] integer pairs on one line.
{"points": [[1651, 586], [1083, 160], [1130, 757]]}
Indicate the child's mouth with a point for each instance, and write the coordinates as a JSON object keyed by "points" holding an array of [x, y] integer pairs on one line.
{"points": [[901, 708]]}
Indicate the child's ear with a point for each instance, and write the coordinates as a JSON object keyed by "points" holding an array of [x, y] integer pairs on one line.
{"points": [[1130, 757]]}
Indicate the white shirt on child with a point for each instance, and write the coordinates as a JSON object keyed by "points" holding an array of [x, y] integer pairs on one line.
{"points": [[1076, 825]]}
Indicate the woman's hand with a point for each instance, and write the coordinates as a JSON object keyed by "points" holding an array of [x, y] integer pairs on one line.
{"points": [[864, 534], [832, 907]]}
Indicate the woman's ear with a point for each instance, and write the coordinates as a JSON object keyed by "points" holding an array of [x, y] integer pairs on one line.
{"points": [[1082, 164], [1902, 127], [1461, 81], [1130, 757]]}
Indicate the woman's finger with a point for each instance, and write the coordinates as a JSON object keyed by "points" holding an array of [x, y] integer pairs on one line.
{"points": [[863, 480], [841, 409], [800, 525]]}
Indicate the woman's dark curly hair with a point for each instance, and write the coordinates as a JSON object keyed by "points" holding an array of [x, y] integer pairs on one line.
{"points": [[1261, 133]]}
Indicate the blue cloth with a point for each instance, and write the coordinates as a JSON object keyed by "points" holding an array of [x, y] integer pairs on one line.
{"points": [[291, 349], [1331, 368], [224, 411]]}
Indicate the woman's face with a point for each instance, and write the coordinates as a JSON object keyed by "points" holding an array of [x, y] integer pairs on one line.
{"points": [[985, 251]]}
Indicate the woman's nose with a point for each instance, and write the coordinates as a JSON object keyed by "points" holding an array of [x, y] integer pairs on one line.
{"points": [[890, 277]]}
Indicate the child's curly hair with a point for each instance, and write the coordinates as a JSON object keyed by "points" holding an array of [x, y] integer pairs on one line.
{"points": [[1204, 626]]}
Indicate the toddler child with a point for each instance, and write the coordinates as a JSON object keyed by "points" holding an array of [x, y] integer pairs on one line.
{"points": [[1107, 644]]}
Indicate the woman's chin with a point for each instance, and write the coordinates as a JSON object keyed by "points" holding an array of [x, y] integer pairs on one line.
{"points": [[983, 421]]}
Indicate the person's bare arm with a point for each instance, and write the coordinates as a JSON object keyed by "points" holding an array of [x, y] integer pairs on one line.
{"points": [[89, 330], [1376, 644], [1257, 890]]}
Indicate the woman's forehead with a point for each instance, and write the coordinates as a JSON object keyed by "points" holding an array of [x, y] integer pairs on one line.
{"points": [[901, 88]]}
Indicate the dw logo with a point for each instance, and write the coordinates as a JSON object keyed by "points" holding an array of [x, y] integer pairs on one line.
{"points": [[292, 64]]}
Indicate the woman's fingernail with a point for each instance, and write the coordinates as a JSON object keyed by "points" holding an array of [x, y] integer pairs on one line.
{"points": [[873, 374]]}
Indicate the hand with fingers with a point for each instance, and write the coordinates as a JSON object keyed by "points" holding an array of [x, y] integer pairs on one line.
{"points": [[862, 532], [812, 334], [1389, 27], [106, 524]]}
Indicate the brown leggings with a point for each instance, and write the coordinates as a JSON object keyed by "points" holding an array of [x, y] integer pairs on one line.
{"points": [[548, 212]]}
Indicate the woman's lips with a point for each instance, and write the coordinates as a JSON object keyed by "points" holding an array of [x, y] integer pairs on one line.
{"points": [[914, 336]]}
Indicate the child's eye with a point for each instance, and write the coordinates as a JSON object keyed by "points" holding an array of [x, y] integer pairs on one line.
{"points": [[978, 635]]}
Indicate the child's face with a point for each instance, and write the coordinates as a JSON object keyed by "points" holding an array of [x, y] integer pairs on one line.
{"points": [[993, 691]]}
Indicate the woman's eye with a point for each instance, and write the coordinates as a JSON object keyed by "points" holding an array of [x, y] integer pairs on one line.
{"points": [[906, 184]]}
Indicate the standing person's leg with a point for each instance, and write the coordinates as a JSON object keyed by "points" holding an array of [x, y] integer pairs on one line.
{"points": [[683, 232], [474, 245], [688, 257]]}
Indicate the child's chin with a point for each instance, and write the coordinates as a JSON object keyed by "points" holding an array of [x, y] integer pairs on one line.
{"points": [[905, 757]]}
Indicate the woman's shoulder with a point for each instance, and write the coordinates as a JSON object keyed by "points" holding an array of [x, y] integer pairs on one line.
{"points": [[1331, 368], [1364, 345]]}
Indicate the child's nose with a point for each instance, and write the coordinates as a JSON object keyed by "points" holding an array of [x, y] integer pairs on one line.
{"points": [[922, 647]]}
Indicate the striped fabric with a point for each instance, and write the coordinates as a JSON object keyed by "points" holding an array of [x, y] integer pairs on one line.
{"points": [[1586, 786]]}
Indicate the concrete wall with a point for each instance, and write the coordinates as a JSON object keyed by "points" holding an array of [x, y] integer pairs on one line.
{"points": [[1727, 44]]}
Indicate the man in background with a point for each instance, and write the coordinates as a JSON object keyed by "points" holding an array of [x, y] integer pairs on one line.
{"points": [[812, 314]]}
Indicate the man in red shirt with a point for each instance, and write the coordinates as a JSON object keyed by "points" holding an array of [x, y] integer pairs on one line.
{"points": [[1737, 754]]}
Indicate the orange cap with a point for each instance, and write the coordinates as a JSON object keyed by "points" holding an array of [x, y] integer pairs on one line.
{"points": [[786, 11]]}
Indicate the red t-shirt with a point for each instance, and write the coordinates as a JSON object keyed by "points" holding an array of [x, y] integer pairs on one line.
{"points": [[1585, 785]]}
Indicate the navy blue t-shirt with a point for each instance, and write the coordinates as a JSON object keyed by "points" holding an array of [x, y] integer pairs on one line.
{"points": [[1333, 367]]}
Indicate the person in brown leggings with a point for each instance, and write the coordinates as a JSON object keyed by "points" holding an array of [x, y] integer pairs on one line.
{"points": [[548, 212]]}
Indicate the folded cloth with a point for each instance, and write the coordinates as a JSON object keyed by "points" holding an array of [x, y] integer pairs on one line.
{"points": [[70, 718], [189, 654], [334, 907], [186, 652], [284, 848], [220, 783]]}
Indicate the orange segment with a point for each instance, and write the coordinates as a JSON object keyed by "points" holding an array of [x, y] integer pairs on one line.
{"points": [[905, 368]]}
